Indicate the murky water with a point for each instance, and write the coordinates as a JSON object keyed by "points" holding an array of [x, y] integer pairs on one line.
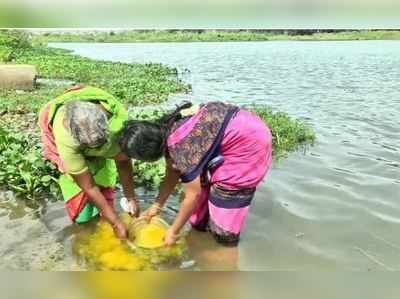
{"points": [[335, 206]]}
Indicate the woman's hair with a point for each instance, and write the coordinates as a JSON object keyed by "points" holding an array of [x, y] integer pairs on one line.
{"points": [[87, 122], [147, 140]]}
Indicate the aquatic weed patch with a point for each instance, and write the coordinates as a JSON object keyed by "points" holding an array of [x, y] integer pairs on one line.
{"points": [[12, 41], [149, 175], [22, 168], [288, 134], [132, 83], [20, 102]]}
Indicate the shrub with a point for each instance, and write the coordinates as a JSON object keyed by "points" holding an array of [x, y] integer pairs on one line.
{"points": [[12, 41]]}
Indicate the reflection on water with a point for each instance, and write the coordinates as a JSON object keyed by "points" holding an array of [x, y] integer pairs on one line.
{"points": [[334, 206]]}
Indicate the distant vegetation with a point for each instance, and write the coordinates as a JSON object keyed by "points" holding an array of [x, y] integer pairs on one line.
{"points": [[131, 36]]}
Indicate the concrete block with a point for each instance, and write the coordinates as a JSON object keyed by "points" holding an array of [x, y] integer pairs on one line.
{"points": [[17, 76]]}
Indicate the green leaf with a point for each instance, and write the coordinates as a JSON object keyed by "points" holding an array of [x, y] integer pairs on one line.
{"points": [[46, 178]]}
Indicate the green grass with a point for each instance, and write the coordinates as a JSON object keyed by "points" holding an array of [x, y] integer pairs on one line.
{"points": [[213, 36]]}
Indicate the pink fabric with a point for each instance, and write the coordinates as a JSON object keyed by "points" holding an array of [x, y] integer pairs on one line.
{"points": [[202, 207], [185, 129], [49, 145], [247, 151], [230, 220]]}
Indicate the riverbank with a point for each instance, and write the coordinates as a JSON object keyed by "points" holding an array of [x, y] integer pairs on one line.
{"points": [[22, 169], [132, 36]]}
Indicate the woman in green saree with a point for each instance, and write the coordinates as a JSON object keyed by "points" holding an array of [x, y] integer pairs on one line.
{"points": [[79, 134]]}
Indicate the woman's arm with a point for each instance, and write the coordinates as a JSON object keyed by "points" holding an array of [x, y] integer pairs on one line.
{"points": [[87, 184], [169, 183], [125, 171], [192, 192], [167, 187]]}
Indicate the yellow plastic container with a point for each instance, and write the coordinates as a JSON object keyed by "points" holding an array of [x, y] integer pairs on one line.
{"points": [[148, 235]]}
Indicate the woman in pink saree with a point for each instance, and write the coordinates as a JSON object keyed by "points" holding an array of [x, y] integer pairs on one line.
{"points": [[218, 151]]}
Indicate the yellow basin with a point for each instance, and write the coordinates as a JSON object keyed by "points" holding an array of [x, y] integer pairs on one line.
{"points": [[148, 235]]}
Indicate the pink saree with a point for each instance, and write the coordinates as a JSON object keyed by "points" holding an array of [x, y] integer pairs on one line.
{"points": [[246, 148]]}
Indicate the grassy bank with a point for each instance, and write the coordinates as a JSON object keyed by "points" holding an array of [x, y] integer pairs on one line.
{"points": [[22, 169], [215, 35]]}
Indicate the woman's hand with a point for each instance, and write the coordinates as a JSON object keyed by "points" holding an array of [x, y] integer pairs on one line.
{"points": [[120, 230], [134, 207], [166, 188], [192, 194], [125, 170], [151, 212], [130, 206], [170, 238]]}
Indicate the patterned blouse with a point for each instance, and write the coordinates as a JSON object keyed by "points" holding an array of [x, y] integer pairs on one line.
{"points": [[191, 154]]}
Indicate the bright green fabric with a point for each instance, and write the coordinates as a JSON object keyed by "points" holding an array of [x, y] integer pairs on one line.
{"points": [[111, 104], [69, 150], [67, 147], [88, 213], [104, 173], [96, 160]]}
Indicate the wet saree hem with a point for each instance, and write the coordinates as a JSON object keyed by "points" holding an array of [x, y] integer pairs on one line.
{"points": [[222, 212], [80, 210]]}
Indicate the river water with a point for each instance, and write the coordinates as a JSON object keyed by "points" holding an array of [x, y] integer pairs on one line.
{"points": [[333, 206]]}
